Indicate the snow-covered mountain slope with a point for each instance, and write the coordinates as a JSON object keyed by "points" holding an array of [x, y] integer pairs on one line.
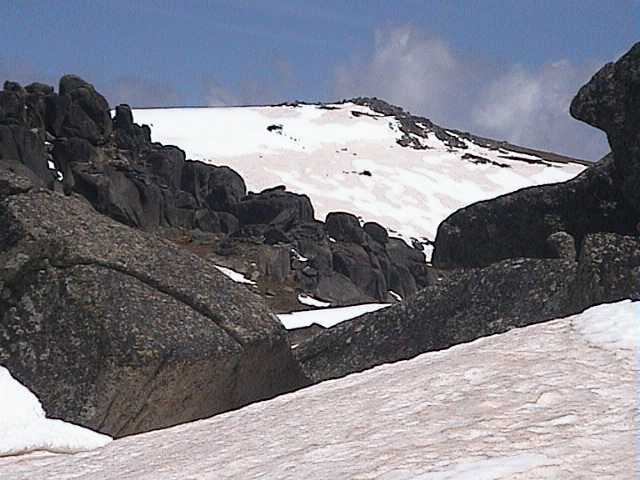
{"points": [[347, 157], [554, 400], [25, 428]]}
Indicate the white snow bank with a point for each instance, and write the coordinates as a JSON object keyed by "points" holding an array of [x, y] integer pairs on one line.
{"points": [[613, 326], [311, 301], [535, 403], [235, 276], [327, 317], [25, 428]]}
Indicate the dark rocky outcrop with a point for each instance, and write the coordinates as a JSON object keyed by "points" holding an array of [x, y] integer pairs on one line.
{"points": [[463, 305], [275, 207], [123, 174], [120, 331], [344, 227], [610, 101], [518, 224], [604, 198]]}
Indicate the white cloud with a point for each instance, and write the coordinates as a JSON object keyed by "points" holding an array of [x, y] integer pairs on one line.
{"points": [[523, 105]]}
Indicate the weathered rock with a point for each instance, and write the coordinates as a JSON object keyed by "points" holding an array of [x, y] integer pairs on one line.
{"points": [[219, 188], [338, 289], [344, 227], [467, 305], [608, 269], [518, 224], [610, 101], [377, 232], [121, 332], [167, 163], [128, 135], [276, 207], [561, 245], [79, 111], [351, 260], [19, 143], [462, 305], [12, 104]]}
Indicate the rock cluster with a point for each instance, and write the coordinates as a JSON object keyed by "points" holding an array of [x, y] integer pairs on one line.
{"points": [[114, 165]]}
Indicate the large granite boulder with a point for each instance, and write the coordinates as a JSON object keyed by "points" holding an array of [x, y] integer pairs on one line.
{"points": [[518, 224], [218, 187], [119, 331], [275, 207], [344, 227], [610, 101], [604, 198], [80, 111]]}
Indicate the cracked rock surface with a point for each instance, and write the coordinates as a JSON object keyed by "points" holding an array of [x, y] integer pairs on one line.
{"points": [[120, 331]]}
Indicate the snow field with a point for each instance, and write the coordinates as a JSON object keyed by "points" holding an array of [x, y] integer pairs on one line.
{"points": [[551, 401]]}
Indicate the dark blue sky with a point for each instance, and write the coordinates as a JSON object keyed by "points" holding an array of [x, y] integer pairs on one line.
{"points": [[458, 55]]}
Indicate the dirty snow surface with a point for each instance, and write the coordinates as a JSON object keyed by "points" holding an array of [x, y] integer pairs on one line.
{"points": [[25, 428], [349, 162], [552, 401]]}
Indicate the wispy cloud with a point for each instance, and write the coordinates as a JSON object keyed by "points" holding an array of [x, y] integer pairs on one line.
{"points": [[138, 91], [529, 106]]}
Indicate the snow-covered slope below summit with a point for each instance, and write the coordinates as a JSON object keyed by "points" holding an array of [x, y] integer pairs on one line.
{"points": [[346, 157], [553, 400]]}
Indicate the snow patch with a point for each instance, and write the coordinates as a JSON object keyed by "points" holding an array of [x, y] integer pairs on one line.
{"points": [[327, 317], [235, 276], [395, 295], [312, 302], [24, 427]]}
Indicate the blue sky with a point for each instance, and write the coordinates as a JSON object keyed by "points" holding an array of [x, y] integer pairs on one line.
{"points": [[501, 68]]}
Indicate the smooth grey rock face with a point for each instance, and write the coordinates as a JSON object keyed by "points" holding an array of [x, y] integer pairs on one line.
{"points": [[122, 332]]}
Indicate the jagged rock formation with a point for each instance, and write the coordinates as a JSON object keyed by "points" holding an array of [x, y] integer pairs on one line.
{"points": [[120, 331], [123, 174], [580, 237]]}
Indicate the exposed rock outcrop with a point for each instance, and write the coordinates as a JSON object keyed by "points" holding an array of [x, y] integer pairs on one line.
{"points": [[123, 174], [119, 331], [463, 305], [604, 198]]}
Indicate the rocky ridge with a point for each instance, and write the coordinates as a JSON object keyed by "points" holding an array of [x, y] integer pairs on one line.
{"points": [[114, 165]]}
